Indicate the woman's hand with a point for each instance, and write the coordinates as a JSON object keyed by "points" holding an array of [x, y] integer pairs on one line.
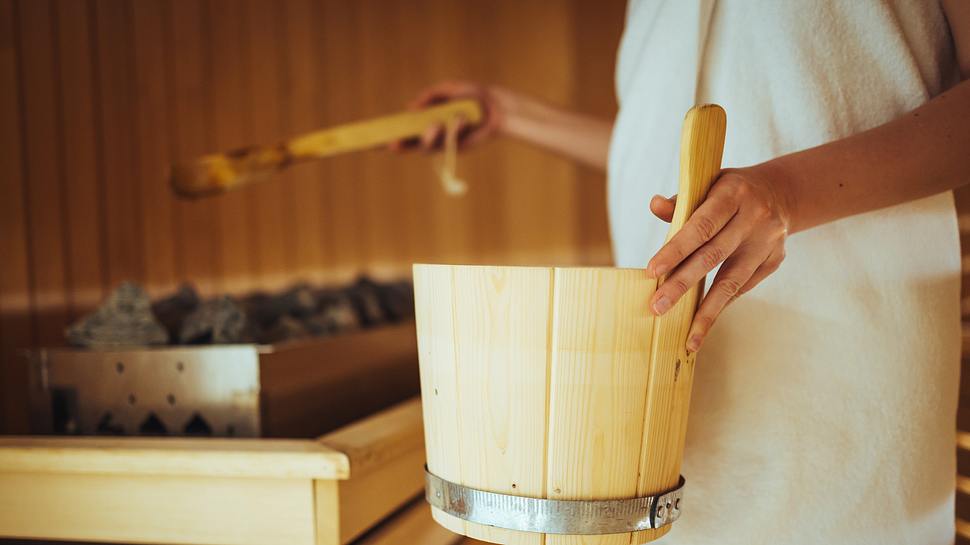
{"points": [[742, 226], [494, 108], [578, 137]]}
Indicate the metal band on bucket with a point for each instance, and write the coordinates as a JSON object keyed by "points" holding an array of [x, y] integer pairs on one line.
{"points": [[575, 517]]}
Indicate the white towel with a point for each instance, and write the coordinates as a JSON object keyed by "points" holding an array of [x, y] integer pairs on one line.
{"points": [[824, 401]]}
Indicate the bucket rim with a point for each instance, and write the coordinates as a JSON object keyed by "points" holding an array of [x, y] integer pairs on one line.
{"points": [[415, 266]]}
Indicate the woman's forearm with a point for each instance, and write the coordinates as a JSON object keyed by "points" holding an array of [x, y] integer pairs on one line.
{"points": [[742, 225], [749, 212], [922, 153], [576, 136]]}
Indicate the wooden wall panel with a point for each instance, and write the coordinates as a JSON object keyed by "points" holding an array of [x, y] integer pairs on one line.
{"points": [[453, 45], [83, 190], [590, 49], [301, 98], [98, 97], [265, 43], [153, 141], [122, 192], [486, 169], [962, 198], [546, 183], [196, 221], [42, 171], [381, 192], [336, 41], [417, 194], [231, 128], [16, 327]]}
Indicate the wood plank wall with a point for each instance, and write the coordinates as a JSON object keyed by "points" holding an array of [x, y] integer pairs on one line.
{"points": [[98, 96], [962, 197]]}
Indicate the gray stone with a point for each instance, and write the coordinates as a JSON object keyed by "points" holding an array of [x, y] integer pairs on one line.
{"points": [[366, 296], [337, 314], [265, 310], [299, 301], [216, 321], [124, 319], [172, 310], [397, 300], [287, 328]]}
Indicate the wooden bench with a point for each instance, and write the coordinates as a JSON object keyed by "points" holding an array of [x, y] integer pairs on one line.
{"points": [[326, 491]]}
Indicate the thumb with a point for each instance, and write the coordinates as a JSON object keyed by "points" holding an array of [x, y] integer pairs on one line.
{"points": [[663, 207]]}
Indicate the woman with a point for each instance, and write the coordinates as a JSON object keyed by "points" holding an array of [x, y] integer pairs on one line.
{"points": [[824, 401]]}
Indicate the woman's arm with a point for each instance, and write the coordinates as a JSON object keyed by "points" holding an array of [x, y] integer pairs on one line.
{"points": [[750, 211], [572, 135], [922, 153], [575, 136]]}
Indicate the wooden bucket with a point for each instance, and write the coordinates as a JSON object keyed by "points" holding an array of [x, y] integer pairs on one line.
{"points": [[558, 383]]}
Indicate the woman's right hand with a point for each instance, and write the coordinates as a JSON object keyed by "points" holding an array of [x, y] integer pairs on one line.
{"points": [[493, 100]]}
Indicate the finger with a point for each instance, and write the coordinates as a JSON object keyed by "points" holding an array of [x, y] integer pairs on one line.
{"points": [[431, 136], [764, 271], [429, 96], [457, 130], [403, 144], [726, 287], [703, 226], [663, 207], [473, 134], [695, 267], [441, 92]]}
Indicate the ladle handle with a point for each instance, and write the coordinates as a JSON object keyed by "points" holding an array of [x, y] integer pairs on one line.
{"points": [[701, 147]]}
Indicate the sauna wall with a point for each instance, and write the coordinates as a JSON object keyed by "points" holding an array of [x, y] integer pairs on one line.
{"points": [[963, 416], [98, 96]]}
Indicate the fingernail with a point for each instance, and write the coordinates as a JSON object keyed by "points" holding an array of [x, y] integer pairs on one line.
{"points": [[661, 305], [694, 343], [656, 271]]}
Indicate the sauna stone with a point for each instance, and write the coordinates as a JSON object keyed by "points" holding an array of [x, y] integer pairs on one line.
{"points": [[172, 310], [336, 314], [265, 310], [299, 301], [129, 318], [287, 328], [366, 296], [124, 319], [397, 300], [217, 321]]}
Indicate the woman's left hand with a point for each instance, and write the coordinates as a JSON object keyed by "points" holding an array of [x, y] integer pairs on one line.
{"points": [[742, 226]]}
